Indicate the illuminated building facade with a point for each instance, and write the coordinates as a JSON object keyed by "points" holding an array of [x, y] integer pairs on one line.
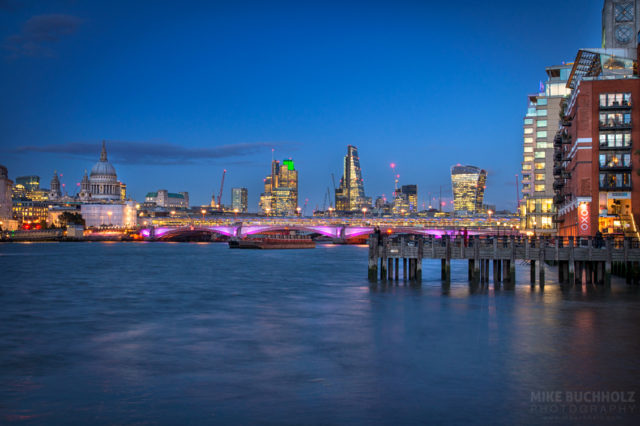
{"points": [[240, 199], [468, 183], [540, 125], [350, 196], [166, 199], [5, 195], [406, 200], [27, 211], [280, 196], [120, 215], [103, 180], [595, 160], [28, 183], [55, 191]]}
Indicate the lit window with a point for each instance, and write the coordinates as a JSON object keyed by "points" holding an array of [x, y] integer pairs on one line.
{"points": [[543, 145], [539, 176], [542, 101], [542, 113], [528, 131], [541, 134], [541, 123], [528, 121], [540, 166], [539, 154], [528, 140], [526, 167], [528, 159], [539, 188], [528, 149]]}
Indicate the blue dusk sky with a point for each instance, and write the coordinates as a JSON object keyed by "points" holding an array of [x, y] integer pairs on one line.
{"points": [[181, 90]]}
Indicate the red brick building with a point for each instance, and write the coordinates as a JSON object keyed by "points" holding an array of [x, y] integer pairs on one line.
{"points": [[595, 161]]}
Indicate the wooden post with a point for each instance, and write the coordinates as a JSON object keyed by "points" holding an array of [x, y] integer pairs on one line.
{"points": [[383, 258], [500, 270], [404, 269], [397, 268], [419, 259], [512, 262], [572, 265], [476, 259], [627, 265], [607, 264], [496, 281], [470, 269], [533, 273], [390, 268], [541, 248], [448, 259], [373, 260]]}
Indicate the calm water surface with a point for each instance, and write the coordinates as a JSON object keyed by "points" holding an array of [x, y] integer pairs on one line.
{"points": [[121, 333]]}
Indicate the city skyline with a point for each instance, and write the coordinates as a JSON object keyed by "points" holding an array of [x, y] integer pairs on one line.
{"points": [[378, 91]]}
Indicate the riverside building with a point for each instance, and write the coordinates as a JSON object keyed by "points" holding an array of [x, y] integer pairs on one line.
{"points": [[239, 200], [540, 125], [596, 165]]}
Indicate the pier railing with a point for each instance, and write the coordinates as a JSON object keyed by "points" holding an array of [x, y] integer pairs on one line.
{"points": [[592, 256]]}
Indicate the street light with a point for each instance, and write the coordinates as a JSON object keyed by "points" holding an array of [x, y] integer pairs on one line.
{"points": [[298, 209], [235, 211], [364, 212], [203, 211], [109, 213], [330, 211]]}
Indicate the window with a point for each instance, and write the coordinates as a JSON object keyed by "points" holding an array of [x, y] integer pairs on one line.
{"points": [[539, 154], [615, 139], [542, 113], [539, 187], [528, 130], [539, 176], [541, 123], [528, 149], [542, 101], [528, 140], [528, 159], [615, 99], [543, 145], [615, 180], [526, 167], [614, 119], [539, 166], [615, 160], [541, 134], [528, 121]]}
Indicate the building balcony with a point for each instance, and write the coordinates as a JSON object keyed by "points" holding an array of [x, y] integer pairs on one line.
{"points": [[624, 106], [620, 168], [615, 125], [613, 187], [557, 185], [624, 149], [557, 171], [558, 199]]}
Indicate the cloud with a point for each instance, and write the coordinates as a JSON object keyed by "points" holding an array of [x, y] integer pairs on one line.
{"points": [[39, 33], [148, 153]]}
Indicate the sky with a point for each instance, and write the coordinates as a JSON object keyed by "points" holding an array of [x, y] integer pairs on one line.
{"points": [[182, 90]]}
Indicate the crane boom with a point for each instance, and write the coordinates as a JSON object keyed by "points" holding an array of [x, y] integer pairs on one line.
{"points": [[224, 172]]}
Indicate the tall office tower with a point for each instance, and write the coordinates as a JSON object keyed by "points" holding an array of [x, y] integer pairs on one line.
{"points": [[620, 26], [280, 196], [540, 125], [239, 199], [405, 200], [350, 195], [5, 195], [29, 183], [468, 184]]}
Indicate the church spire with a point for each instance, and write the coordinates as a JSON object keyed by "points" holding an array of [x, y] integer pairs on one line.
{"points": [[103, 154]]}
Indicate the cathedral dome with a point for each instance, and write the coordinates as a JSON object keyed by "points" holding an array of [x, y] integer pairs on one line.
{"points": [[103, 167]]}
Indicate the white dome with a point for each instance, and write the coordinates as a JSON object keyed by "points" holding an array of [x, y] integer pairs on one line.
{"points": [[103, 168]]}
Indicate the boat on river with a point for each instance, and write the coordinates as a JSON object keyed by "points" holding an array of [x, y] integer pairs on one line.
{"points": [[279, 241]]}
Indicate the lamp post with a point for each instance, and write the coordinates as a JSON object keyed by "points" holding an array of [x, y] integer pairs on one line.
{"points": [[298, 209], [203, 211], [364, 212], [330, 211], [235, 212]]}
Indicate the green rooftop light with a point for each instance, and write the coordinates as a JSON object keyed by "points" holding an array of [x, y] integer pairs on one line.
{"points": [[289, 164]]}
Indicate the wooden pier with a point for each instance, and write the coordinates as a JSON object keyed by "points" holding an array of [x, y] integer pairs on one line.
{"points": [[579, 260]]}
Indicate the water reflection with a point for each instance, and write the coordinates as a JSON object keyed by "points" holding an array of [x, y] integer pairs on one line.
{"points": [[193, 333]]}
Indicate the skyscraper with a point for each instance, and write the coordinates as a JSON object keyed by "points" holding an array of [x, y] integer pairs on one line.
{"points": [[350, 195], [405, 200], [540, 126], [468, 184], [280, 196], [239, 199]]}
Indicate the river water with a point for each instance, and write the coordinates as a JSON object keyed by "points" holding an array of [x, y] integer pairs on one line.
{"points": [[174, 333]]}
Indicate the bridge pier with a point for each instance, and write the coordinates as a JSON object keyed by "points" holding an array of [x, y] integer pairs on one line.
{"points": [[404, 269], [533, 273], [470, 269], [397, 268]]}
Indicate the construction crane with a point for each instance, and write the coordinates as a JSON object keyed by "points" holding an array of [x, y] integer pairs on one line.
{"points": [[224, 172]]}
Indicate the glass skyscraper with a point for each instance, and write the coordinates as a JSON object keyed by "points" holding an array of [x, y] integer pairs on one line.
{"points": [[350, 195], [280, 196], [468, 184]]}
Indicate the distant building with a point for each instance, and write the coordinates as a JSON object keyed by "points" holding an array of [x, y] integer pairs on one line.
{"points": [[405, 200], [468, 184], [166, 199], [27, 211], [280, 196], [120, 215], [350, 196], [103, 179], [5, 195], [29, 183], [239, 199], [55, 193]]}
